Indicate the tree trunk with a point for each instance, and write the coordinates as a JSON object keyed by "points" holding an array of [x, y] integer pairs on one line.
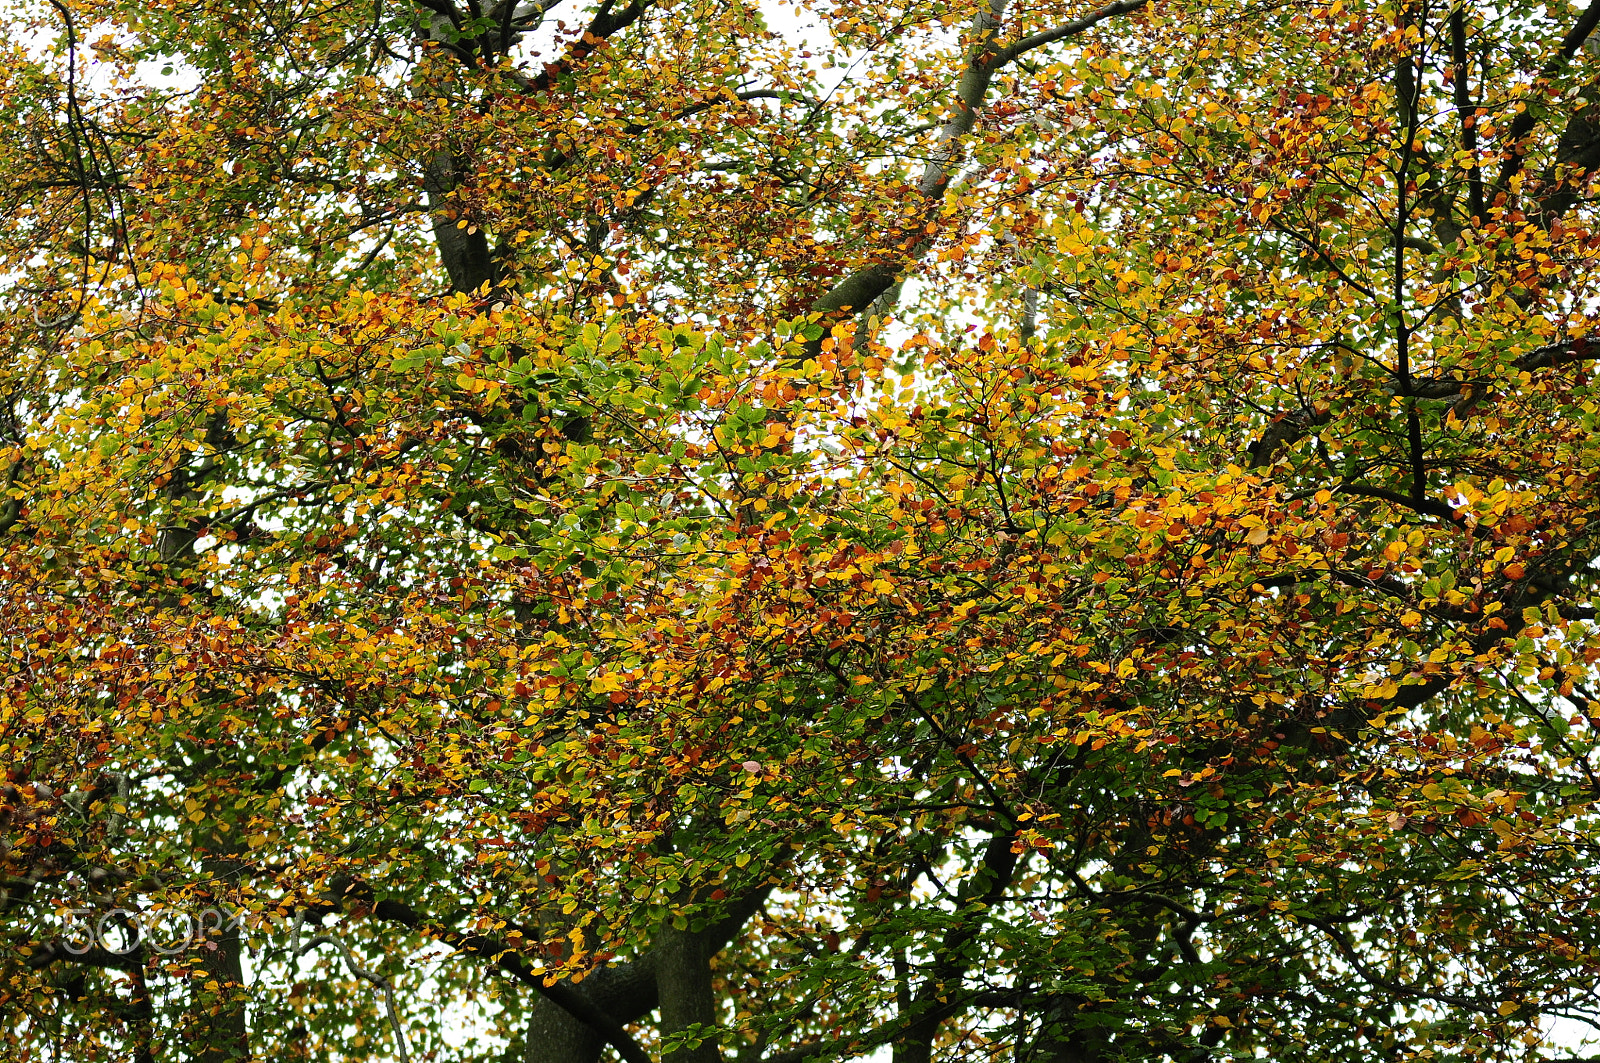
{"points": [[683, 978], [673, 975], [1062, 1042], [554, 1036], [916, 1044], [218, 1029], [463, 251]]}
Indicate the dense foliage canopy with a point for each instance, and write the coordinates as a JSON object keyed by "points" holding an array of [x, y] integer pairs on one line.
{"points": [[711, 530]]}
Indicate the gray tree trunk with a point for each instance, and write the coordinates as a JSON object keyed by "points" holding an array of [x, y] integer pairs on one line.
{"points": [[683, 980], [218, 1030], [554, 1036]]}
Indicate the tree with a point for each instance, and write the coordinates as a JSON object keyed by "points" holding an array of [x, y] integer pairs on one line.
{"points": [[971, 529]]}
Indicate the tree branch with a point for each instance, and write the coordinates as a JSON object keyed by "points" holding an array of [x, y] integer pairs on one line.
{"points": [[1525, 122], [1069, 29], [574, 1001], [370, 976]]}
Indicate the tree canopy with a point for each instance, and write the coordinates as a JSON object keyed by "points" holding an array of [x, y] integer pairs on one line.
{"points": [[707, 530]]}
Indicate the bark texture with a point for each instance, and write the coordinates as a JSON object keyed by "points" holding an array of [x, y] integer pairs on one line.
{"points": [[219, 1031]]}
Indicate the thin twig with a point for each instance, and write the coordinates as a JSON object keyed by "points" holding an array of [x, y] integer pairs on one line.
{"points": [[370, 976]]}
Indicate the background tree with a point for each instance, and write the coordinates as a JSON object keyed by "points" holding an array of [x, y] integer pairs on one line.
{"points": [[959, 530]]}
